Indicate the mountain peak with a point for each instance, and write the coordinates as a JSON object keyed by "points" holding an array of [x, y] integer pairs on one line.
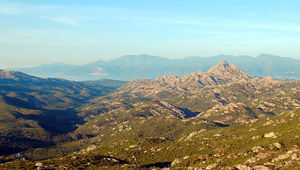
{"points": [[226, 70], [223, 63], [264, 55], [223, 66]]}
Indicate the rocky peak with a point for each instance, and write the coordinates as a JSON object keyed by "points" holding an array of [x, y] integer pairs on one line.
{"points": [[225, 70], [221, 67], [224, 63], [220, 74]]}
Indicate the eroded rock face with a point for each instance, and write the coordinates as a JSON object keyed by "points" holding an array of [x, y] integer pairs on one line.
{"points": [[175, 162], [157, 108], [260, 167], [257, 149], [242, 167], [212, 166], [270, 135], [277, 145], [228, 71]]}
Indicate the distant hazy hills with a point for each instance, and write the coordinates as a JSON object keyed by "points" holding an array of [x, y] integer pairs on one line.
{"points": [[145, 66]]}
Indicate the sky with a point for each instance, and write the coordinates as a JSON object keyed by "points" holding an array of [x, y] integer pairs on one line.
{"points": [[35, 32]]}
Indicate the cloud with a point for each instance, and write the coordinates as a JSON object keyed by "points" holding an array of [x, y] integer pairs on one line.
{"points": [[231, 24], [119, 18], [54, 13], [62, 19], [9, 9]]}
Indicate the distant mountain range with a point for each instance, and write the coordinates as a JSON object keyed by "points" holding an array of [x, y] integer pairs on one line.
{"points": [[145, 66]]}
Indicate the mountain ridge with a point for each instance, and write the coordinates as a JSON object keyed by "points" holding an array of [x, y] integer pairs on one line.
{"points": [[16, 75], [146, 66], [225, 88], [220, 74]]}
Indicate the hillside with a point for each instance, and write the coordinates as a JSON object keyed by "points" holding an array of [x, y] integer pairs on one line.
{"points": [[263, 143], [37, 112], [225, 94], [219, 119]]}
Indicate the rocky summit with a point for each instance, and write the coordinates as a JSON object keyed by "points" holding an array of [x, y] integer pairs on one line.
{"points": [[228, 71], [220, 74]]}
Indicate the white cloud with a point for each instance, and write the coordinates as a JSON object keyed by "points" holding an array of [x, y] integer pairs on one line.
{"points": [[9, 9], [62, 19], [53, 13]]}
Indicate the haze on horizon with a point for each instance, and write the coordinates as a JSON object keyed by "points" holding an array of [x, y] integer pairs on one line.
{"points": [[79, 32]]}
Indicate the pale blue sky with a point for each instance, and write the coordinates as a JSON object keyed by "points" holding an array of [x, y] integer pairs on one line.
{"points": [[36, 32]]}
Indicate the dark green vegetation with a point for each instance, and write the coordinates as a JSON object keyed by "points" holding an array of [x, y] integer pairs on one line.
{"points": [[219, 119], [38, 112], [272, 142]]}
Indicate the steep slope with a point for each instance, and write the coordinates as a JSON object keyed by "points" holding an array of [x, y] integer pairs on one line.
{"points": [[37, 112], [52, 92], [228, 71], [17, 130], [17, 76]]}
